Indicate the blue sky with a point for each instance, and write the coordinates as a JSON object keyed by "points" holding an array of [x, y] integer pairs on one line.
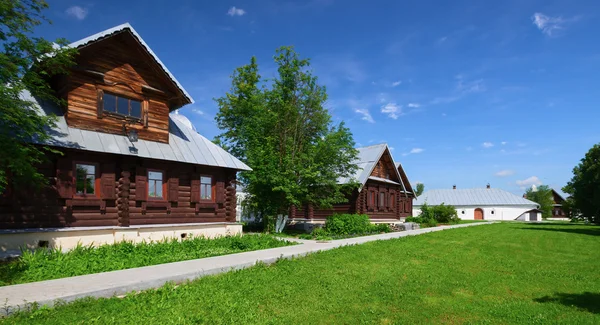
{"points": [[465, 92]]}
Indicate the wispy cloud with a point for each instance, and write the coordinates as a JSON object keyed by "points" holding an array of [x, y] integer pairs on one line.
{"points": [[503, 143], [198, 111], [504, 173], [77, 12], [366, 115], [487, 144], [392, 110], [550, 25], [462, 88], [233, 11], [414, 105], [337, 69], [414, 151], [528, 182], [391, 148], [396, 83]]}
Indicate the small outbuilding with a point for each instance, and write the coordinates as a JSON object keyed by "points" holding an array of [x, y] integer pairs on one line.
{"points": [[481, 204]]}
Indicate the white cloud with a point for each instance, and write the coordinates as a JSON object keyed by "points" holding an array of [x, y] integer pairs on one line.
{"points": [[77, 12], [392, 110], [197, 111], [465, 87], [533, 180], [417, 150], [391, 148], [505, 172], [503, 143], [233, 11], [396, 83], [366, 116], [551, 25], [487, 144], [414, 105]]}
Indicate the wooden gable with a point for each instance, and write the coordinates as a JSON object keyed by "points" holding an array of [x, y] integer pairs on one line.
{"points": [[119, 65], [385, 168], [405, 180]]}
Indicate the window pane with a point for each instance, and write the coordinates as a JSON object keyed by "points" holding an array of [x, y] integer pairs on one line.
{"points": [[80, 184], [122, 105], [152, 189], [205, 180], [155, 175], [136, 108], [89, 184], [205, 192], [110, 103], [159, 192]]}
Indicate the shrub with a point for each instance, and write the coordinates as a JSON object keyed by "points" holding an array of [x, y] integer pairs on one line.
{"points": [[441, 213], [346, 224], [379, 228]]}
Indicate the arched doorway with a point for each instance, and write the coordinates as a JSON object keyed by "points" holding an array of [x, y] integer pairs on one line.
{"points": [[478, 214]]}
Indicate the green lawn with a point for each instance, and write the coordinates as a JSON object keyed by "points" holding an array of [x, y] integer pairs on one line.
{"points": [[45, 264], [497, 274]]}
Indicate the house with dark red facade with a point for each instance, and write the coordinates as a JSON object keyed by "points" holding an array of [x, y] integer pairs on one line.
{"points": [[131, 169], [384, 191]]}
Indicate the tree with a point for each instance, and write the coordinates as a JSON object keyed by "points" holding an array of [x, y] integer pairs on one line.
{"points": [[26, 64], [584, 187], [282, 131], [542, 196], [420, 189]]}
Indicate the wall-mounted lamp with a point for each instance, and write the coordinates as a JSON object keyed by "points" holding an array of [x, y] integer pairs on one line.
{"points": [[132, 135]]}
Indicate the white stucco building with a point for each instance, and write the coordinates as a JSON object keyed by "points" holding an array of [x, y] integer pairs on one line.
{"points": [[482, 203]]}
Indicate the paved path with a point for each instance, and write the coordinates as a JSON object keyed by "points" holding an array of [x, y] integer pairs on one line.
{"points": [[108, 284]]}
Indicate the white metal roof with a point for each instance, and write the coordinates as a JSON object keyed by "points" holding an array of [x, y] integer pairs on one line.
{"points": [[185, 145], [120, 28], [366, 161], [473, 197]]}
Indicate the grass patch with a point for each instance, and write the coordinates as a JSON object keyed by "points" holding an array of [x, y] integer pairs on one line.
{"points": [[44, 264], [505, 273]]}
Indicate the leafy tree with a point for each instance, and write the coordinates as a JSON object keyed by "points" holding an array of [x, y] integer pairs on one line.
{"points": [[26, 63], [542, 196], [420, 189], [584, 187], [280, 128]]}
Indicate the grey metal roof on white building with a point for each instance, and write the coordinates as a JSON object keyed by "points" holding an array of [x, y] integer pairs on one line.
{"points": [[123, 27], [185, 145], [366, 161], [473, 197]]}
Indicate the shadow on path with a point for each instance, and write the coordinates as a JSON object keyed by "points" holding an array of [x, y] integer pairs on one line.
{"points": [[587, 301]]}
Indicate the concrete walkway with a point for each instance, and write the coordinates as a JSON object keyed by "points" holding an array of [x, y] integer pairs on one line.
{"points": [[113, 283]]}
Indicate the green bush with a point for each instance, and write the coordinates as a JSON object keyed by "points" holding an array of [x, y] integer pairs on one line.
{"points": [[441, 213], [381, 227], [348, 224]]}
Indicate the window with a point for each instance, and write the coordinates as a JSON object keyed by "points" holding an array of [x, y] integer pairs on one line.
{"points": [[381, 199], [462, 212], [122, 106], [392, 200], [493, 211], [371, 198], [205, 188], [155, 184], [85, 179]]}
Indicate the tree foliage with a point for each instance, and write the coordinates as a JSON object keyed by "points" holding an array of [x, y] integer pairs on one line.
{"points": [[542, 195], [584, 187], [281, 129], [420, 189], [26, 64]]}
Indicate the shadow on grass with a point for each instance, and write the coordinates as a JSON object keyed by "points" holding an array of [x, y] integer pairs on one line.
{"points": [[587, 301], [591, 230]]}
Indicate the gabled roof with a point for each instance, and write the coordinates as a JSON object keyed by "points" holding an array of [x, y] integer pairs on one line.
{"points": [[404, 178], [124, 28], [473, 197], [366, 161], [560, 194], [185, 145]]}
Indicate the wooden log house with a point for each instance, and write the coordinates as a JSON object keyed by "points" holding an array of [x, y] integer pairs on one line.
{"points": [[132, 169], [385, 194]]}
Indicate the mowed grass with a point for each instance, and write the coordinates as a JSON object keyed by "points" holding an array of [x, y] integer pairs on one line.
{"points": [[44, 264], [509, 273]]}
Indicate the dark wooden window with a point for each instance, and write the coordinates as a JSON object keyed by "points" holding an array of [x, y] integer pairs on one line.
{"points": [[381, 199], [205, 187], [392, 200], [85, 179], [127, 107], [155, 184]]}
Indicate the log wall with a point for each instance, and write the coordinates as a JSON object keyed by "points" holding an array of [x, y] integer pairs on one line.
{"points": [[118, 200]]}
